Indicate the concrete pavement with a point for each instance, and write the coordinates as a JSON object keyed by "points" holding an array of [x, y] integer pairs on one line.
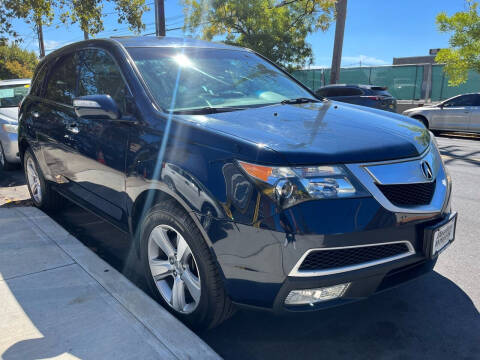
{"points": [[60, 300]]}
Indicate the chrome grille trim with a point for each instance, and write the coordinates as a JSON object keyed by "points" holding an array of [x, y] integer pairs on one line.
{"points": [[296, 272], [364, 173]]}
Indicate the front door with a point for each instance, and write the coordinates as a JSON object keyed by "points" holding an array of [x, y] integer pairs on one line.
{"points": [[100, 145], [455, 114]]}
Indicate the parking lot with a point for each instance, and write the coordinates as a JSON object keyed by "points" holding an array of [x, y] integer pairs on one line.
{"points": [[434, 317]]}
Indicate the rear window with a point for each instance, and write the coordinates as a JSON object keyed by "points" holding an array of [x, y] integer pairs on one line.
{"points": [[11, 95], [339, 91]]}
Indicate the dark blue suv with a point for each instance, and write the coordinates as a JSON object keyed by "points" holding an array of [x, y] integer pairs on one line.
{"points": [[238, 186]]}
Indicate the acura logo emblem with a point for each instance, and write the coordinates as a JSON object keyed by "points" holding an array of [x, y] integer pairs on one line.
{"points": [[427, 170]]}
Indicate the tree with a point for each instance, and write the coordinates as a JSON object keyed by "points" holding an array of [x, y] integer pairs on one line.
{"points": [[464, 51], [36, 12], [16, 63], [88, 14], [275, 29]]}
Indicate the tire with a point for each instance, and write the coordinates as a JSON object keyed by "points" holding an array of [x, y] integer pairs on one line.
{"points": [[41, 192], [208, 304], [4, 164]]}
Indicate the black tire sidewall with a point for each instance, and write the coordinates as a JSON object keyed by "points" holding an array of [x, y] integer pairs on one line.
{"points": [[158, 216]]}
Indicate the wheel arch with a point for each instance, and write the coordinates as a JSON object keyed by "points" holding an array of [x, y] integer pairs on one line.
{"points": [[422, 118], [23, 145], [149, 198]]}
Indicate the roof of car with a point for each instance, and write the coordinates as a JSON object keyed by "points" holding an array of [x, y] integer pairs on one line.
{"points": [[165, 41], [15, 81], [142, 41], [351, 85]]}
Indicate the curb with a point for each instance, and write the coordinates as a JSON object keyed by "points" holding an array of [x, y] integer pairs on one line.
{"points": [[170, 332]]}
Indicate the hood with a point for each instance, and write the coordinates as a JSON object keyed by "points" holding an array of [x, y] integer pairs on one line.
{"points": [[9, 113], [323, 133]]}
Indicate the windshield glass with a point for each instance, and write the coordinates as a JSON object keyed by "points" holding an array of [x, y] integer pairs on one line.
{"points": [[212, 78], [11, 95]]}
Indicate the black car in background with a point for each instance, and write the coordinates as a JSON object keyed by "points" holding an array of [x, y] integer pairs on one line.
{"points": [[366, 95], [235, 184]]}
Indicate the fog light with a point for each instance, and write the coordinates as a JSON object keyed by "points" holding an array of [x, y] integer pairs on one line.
{"points": [[312, 296]]}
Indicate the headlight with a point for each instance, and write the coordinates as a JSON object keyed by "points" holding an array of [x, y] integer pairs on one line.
{"points": [[291, 185], [10, 128]]}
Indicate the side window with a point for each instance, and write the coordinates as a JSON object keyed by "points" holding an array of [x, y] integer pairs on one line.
{"points": [[61, 81], [100, 75], [463, 100], [327, 92], [38, 81]]}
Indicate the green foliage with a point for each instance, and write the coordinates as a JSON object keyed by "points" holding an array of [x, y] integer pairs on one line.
{"points": [[16, 63], [88, 14], [464, 51], [275, 29]]}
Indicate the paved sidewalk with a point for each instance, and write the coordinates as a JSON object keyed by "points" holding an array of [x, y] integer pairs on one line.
{"points": [[60, 300]]}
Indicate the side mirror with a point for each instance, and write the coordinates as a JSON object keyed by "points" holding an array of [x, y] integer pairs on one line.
{"points": [[441, 106], [96, 107]]}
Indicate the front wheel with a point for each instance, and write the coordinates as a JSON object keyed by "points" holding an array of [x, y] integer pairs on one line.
{"points": [[179, 268]]}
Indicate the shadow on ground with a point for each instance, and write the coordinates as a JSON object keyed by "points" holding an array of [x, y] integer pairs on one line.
{"points": [[428, 318]]}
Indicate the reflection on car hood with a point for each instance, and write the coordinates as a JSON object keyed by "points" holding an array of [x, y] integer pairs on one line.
{"points": [[325, 132], [10, 113]]}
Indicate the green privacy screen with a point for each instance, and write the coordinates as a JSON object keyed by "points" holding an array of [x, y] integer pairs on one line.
{"points": [[405, 82]]}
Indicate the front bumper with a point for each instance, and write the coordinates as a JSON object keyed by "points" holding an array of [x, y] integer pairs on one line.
{"points": [[10, 146], [257, 259]]}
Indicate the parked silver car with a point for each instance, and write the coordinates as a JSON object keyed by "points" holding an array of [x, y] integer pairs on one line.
{"points": [[11, 93], [459, 113]]}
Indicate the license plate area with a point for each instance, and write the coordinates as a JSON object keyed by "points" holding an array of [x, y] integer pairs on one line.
{"points": [[439, 236]]}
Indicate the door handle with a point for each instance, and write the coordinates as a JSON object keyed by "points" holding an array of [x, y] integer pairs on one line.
{"points": [[73, 128]]}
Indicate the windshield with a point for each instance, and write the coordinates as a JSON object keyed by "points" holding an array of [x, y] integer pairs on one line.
{"points": [[11, 95], [212, 78]]}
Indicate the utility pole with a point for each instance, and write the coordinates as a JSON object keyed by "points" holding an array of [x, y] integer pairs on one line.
{"points": [[159, 17], [341, 10], [41, 46]]}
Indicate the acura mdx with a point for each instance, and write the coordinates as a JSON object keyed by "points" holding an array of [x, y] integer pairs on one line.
{"points": [[236, 185]]}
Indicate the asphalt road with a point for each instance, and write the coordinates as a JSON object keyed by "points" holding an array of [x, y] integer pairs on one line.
{"points": [[433, 317]]}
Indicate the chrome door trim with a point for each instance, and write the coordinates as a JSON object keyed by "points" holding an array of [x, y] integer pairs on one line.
{"points": [[295, 272]]}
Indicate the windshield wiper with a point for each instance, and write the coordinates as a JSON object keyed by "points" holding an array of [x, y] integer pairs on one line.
{"points": [[207, 110], [301, 100]]}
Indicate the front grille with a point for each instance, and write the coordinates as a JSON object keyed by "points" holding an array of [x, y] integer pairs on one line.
{"points": [[409, 194], [335, 258]]}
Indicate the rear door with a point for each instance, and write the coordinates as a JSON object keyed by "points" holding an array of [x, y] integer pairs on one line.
{"points": [[54, 116]]}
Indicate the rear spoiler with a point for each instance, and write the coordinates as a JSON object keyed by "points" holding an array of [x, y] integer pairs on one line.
{"points": [[381, 88]]}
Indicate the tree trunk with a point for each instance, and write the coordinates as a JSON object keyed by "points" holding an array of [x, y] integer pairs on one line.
{"points": [[41, 45], [85, 35], [341, 7]]}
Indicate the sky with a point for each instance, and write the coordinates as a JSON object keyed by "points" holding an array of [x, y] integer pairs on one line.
{"points": [[376, 31]]}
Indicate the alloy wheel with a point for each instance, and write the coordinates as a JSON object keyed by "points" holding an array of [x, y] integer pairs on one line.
{"points": [[34, 180], [174, 269]]}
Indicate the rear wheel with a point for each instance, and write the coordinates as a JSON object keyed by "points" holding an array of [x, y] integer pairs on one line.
{"points": [[180, 269], [43, 196]]}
